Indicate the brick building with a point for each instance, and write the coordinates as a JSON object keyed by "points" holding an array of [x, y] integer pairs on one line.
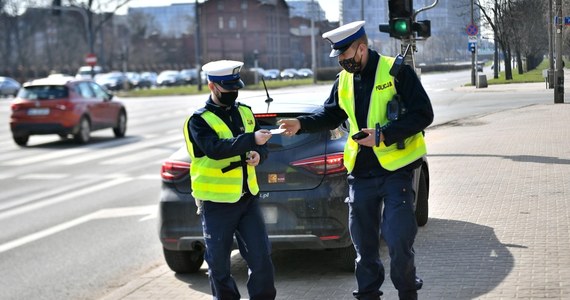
{"points": [[237, 29]]}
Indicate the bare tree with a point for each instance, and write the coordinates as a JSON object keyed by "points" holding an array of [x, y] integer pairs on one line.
{"points": [[532, 30], [520, 27], [499, 11]]}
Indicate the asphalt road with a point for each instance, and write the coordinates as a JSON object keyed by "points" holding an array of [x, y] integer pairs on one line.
{"points": [[77, 221]]}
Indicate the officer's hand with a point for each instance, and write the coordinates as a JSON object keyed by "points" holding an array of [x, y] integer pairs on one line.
{"points": [[253, 158], [370, 140], [261, 136], [291, 126]]}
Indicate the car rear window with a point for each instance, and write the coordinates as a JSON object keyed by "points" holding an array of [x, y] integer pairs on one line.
{"points": [[43, 92]]}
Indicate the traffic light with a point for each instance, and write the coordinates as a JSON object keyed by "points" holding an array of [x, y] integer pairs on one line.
{"points": [[55, 3], [400, 14], [400, 27], [423, 28]]}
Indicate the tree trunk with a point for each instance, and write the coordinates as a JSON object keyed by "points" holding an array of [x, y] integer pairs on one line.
{"points": [[519, 63], [508, 68]]}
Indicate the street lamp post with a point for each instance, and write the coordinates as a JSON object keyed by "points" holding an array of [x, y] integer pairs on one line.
{"points": [[198, 45], [256, 66], [313, 46], [559, 74]]}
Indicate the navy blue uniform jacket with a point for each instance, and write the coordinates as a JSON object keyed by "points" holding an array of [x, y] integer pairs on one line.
{"points": [[419, 113]]}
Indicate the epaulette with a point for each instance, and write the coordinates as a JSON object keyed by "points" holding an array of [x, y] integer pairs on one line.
{"points": [[200, 111], [241, 104]]}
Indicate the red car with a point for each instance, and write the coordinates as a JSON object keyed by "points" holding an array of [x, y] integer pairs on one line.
{"points": [[65, 106]]}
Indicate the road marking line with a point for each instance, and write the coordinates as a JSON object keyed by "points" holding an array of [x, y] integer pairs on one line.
{"points": [[111, 152], [149, 177], [148, 211], [44, 176], [58, 199], [62, 153], [143, 155], [5, 176], [19, 200]]}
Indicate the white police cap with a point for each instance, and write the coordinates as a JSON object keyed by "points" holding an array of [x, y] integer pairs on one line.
{"points": [[342, 37], [225, 73]]}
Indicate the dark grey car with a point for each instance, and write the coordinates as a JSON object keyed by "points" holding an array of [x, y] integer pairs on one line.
{"points": [[303, 188]]}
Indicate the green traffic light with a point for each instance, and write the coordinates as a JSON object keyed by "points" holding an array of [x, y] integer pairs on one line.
{"points": [[401, 26]]}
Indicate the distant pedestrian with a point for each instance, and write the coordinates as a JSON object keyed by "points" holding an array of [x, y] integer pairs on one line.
{"points": [[225, 144]]}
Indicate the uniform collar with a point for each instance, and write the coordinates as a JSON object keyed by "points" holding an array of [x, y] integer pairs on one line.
{"points": [[215, 108], [371, 64]]}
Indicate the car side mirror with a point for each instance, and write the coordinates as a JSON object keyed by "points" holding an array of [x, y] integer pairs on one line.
{"points": [[109, 97]]}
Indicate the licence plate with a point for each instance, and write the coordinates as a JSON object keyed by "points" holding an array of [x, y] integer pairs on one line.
{"points": [[38, 111], [270, 214]]}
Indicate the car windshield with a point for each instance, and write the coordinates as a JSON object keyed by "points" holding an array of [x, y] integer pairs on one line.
{"points": [[43, 92]]}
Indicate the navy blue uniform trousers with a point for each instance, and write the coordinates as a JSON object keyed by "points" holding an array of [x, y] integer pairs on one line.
{"points": [[399, 228], [220, 221]]}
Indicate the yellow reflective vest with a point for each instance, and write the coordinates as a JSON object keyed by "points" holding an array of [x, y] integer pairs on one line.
{"points": [[391, 158], [208, 181]]}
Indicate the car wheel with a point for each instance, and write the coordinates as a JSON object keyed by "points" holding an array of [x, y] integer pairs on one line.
{"points": [[422, 201], [83, 133], [183, 262], [346, 257], [121, 125], [21, 140]]}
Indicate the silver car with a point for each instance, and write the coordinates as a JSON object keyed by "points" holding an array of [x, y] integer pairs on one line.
{"points": [[9, 87]]}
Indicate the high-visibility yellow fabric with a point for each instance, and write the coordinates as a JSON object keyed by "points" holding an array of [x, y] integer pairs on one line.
{"points": [[391, 158], [208, 181]]}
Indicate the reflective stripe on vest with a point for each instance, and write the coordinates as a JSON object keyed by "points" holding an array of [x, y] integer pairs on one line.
{"points": [[207, 180], [391, 158]]}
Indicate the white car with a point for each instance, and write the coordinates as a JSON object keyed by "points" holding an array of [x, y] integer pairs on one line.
{"points": [[85, 72]]}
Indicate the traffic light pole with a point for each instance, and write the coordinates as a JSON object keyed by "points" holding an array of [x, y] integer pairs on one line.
{"points": [[409, 58]]}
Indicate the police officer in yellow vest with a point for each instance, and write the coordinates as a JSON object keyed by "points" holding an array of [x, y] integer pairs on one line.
{"points": [[225, 144], [380, 170]]}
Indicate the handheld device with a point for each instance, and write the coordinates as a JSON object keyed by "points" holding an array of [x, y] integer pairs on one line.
{"points": [[359, 135]]}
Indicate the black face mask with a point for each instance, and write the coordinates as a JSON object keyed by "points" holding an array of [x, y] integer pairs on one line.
{"points": [[350, 65], [228, 98]]}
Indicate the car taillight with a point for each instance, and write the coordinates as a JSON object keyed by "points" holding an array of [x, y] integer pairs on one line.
{"points": [[261, 116], [322, 165], [16, 106], [172, 170]]}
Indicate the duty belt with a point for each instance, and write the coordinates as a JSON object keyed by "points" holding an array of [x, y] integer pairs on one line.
{"points": [[233, 165]]}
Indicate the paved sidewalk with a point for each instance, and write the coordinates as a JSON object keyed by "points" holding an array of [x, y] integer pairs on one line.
{"points": [[498, 227]]}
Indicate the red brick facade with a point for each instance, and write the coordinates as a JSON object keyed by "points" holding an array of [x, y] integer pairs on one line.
{"points": [[235, 29]]}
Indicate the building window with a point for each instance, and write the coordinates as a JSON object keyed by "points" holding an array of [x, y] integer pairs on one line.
{"points": [[244, 4], [232, 23], [220, 22], [244, 23], [220, 5]]}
